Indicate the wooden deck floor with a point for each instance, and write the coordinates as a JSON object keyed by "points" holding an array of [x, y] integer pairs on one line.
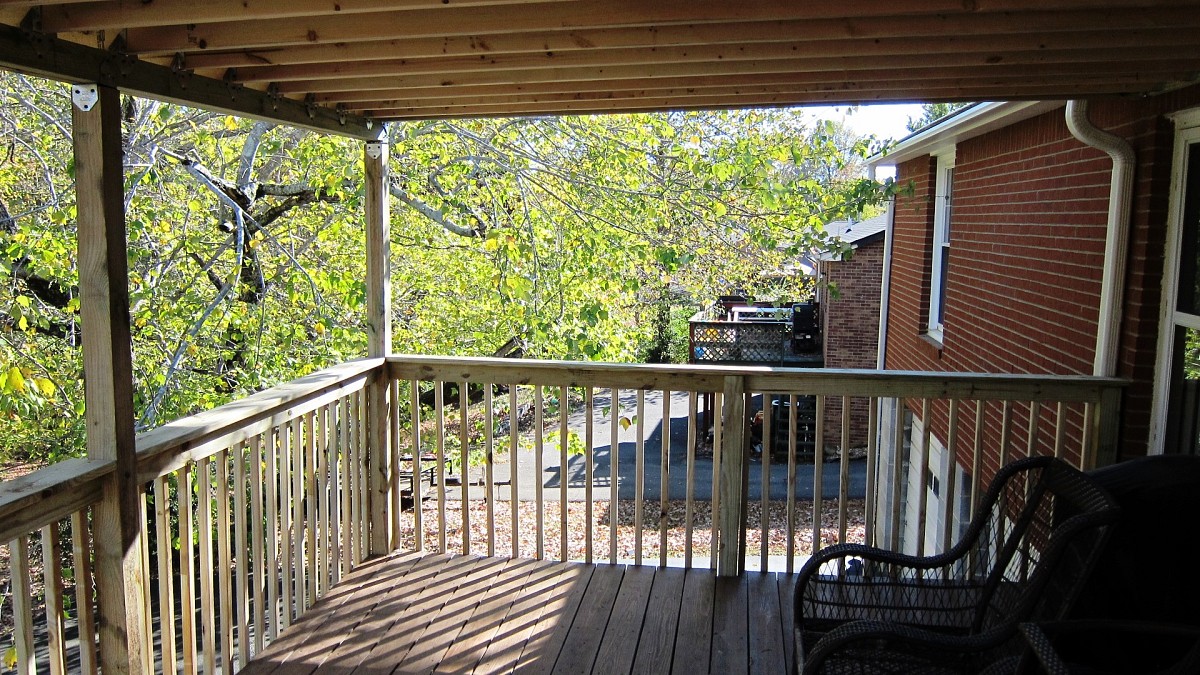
{"points": [[463, 614]]}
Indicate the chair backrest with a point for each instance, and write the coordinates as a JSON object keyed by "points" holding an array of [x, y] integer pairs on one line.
{"points": [[1036, 536]]}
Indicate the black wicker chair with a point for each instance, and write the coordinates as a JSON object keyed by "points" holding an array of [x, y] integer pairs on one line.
{"points": [[1036, 536]]}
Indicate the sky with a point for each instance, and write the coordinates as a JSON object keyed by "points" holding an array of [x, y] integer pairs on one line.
{"points": [[885, 121]]}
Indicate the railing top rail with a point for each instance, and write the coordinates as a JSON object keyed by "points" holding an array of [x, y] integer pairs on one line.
{"points": [[823, 381]]}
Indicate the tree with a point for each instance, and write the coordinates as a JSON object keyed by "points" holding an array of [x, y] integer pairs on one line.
{"points": [[932, 112], [246, 246]]}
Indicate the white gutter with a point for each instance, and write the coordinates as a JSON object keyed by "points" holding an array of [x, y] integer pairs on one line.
{"points": [[1116, 244], [885, 286]]}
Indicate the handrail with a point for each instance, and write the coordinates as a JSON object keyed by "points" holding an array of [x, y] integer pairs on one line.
{"points": [[692, 377]]}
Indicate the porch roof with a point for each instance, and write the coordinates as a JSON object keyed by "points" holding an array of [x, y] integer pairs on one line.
{"points": [[337, 65]]}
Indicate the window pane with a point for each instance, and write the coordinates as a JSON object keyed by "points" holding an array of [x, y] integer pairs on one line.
{"points": [[1189, 251], [941, 299], [1183, 413]]}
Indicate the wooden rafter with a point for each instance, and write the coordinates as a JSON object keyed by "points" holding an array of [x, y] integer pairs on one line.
{"points": [[292, 60]]}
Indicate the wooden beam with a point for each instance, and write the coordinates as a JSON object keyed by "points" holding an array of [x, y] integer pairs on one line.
{"points": [[796, 36], [90, 16], [701, 60], [379, 343], [108, 380], [866, 19], [734, 71], [46, 56], [449, 98]]}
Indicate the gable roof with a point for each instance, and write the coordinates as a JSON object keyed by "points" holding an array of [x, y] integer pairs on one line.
{"points": [[857, 233], [337, 64], [943, 134]]}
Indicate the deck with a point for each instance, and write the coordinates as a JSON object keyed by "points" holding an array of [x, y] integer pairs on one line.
{"points": [[413, 613]]}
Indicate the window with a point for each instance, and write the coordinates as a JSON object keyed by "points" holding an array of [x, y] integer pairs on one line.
{"points": [[943, 186], [1177, 405]]}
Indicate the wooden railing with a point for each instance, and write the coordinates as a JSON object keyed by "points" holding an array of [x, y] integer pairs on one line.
{"points": [[252, 512], [255, 509]]}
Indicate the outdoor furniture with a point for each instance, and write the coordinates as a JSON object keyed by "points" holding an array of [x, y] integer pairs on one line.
{"points": [[1110, 648], [1035, 537]]}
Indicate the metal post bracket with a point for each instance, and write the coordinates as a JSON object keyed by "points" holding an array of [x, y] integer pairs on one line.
{"points": [[374, 149], [84, 96]]}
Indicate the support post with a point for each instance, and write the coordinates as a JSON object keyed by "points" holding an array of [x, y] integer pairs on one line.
{"points": [[731, 520], [379, 343], [108, 374], [1108, 427]]}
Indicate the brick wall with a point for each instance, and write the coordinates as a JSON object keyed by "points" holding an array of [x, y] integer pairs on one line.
{"points": [[851, 330], [1027, 246]]}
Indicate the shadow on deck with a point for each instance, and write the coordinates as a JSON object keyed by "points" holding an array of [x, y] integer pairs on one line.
{"points": [[425, 613]]}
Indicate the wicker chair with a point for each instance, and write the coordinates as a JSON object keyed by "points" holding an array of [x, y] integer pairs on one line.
{"points": [[1036, 536]]}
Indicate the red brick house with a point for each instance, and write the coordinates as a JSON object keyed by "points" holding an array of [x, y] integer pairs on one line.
{"points": [[1020, 248], [848, 293]]}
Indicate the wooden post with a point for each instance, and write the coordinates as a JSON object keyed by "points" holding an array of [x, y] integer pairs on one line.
{"points": [[730, 519], [379, 343], [1108, 428], [108, 371]]}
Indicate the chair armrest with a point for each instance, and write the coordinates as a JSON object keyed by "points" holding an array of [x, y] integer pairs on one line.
{"points": [[891, 647]]}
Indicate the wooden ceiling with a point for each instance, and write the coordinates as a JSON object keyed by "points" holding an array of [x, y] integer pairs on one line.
{"points": [[401, 59]]}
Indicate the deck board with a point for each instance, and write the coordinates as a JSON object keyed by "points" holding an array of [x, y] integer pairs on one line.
{"points": [[438, 613]]}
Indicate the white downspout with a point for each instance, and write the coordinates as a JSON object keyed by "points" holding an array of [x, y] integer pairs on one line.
{"points": [[1116, 245], [885, 286]]}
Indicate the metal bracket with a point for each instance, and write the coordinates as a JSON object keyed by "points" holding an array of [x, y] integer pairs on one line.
{"points": [[310, 105], [180, 70], [275, 95], [374, 149], [84, 96], [32, 21], [340, 109]]}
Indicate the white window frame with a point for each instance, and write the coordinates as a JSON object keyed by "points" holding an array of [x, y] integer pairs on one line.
{"points": [[1187, 134], [943, 201]]}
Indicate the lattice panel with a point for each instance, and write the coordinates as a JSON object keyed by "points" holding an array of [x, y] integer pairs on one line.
{"points": [[741, 342]]}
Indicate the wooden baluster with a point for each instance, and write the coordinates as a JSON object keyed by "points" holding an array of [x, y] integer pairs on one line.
{"points": [[272, 534], [465, 441], [489, 460], [298, 470], [81, 549], [872, 472], [166, 575], [418, 516], [589, 407], [818, 472], [690, 487], [52, 580], [283, 451], [258, 544], [208, 621], [765, 482], [718, 415], [440, 440], [664, 479], [187, 572], [729, 519], [22, 597], [564, 473], [897, 473], [844, 470], [1060, 429], [639, 487], [923, 475], [312, 513], [514, 470], [614, 451], [1031, 434], [224, 561], [791, 483], [241, 545], [539, 471]]}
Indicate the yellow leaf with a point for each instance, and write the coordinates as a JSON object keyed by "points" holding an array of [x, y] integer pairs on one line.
{"points": [[319, 328], [10, 657], [45, 386], [193, 350], [624, 422], [16, 381]]}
